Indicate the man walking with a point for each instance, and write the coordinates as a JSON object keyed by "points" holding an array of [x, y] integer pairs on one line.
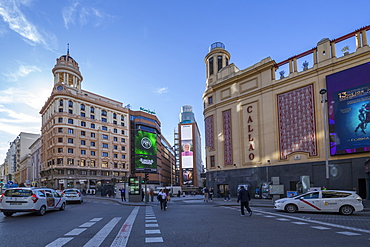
{"points": [[123, 194], [244, 198], [162, 196]]}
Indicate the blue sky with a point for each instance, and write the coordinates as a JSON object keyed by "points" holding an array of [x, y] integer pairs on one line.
{"points": [[149, 53]]}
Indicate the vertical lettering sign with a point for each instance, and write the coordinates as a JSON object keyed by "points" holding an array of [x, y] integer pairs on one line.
{"points": [[145, 151], [250, 132]]}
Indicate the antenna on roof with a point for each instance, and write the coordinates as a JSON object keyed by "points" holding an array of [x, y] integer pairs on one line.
{"points": [[67, 48]]}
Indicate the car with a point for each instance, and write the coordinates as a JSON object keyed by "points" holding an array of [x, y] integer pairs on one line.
{"points": [[344, 202], [73, 195], [38, 200]]}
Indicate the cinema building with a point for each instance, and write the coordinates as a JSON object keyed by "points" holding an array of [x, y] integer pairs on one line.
{"points": [[304, 117]]}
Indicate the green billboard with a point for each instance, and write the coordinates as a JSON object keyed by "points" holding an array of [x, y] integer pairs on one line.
{"points": [[145, 151]]}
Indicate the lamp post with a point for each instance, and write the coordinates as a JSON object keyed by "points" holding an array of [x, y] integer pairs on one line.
{"points": [[324, 101]]}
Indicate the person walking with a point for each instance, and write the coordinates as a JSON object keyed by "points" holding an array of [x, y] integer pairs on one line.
{"points": [[227, 194], [211, 191], [162, 196], [206, 194], [244, 198], [151, 193], [123, 194]]}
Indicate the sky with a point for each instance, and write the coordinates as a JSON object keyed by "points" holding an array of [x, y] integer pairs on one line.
{"points": [[149, 53]]}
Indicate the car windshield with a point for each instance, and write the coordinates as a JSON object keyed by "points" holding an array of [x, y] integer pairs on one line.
{"points": [[18, 193]]}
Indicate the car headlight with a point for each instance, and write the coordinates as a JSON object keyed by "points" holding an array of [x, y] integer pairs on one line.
{"points": [[280, 201]]}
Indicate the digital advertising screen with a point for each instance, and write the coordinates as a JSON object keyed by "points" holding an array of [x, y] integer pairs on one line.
{"points": [[145, 151], [187, 176], [186, 146], [349, 110]]}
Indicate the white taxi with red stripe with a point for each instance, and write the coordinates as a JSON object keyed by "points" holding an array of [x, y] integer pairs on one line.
{"points": [[38, 200], [344, 202]]}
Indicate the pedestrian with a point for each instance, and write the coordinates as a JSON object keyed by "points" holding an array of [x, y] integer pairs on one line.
{"points": [[142, 195], [206, 194], [211, 191], [162, 197], [151, 193], [219, 193], [123, 194], [227, 194], [323, 188], [244, 198]]}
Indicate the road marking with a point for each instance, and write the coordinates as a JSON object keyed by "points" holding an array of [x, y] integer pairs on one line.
{"points": [[59, 242], [300, 223], [75, 232], [103, 233], [148, 218], [268, 216], [317, 222], [124, 233], [151, 225], [282, 219], [152, 231], [321, 227], [87, 224], [150, 221], [349, 233], [96, 219], [154, 240]]}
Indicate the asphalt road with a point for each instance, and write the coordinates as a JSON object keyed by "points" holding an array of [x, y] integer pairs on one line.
{"points": [[185, 223]]}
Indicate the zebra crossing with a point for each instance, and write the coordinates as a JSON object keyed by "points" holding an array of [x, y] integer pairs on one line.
{"points": [[152, 231]]}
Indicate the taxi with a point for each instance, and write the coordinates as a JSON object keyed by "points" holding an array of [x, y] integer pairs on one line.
{"points": [[38, 200], [344, 202]]}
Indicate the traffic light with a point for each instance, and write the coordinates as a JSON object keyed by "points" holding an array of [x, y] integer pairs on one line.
{"points": [[146, 177]]}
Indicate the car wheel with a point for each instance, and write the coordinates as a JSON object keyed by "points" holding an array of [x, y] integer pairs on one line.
{"points": [[42, 211], [291, 208], [346, 210], [7, 213], [62, 207]]}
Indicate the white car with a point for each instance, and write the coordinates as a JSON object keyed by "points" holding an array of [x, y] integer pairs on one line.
{"points": [[344, 202], [38, 200], [73, 195]]}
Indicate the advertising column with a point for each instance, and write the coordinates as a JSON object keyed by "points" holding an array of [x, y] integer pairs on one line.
{"points": [[187, 156]]}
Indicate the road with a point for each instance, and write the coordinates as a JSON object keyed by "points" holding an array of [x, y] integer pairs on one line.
{"points": [[185, 223]]}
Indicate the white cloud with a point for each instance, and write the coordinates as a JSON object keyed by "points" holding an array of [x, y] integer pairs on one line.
{"points": [[22, 71], [34, 98], [162, 90], [17, 21]]}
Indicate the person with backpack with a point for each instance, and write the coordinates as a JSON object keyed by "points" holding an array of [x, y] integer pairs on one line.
{"points": [[162, 197]]}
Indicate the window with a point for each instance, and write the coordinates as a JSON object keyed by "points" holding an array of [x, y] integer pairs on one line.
{"points": [[82, 114], [114, 155], [92, 117], [92, 163], [83, 152], [82, 107], [70, 120], [70, 150], [104, 164], [60, 150], [210, 65], [93, 173], [219, 63], [92, 153], [92, 110], [105, 154], [60, 139], [114, 122], [60, 109], [83, 124], [114, 130], [60, 130], [115, 147], [60, 120], [93, 135], [83, 142], [93, 126], [83, 133], [122, 118], [122, 132], [70, 131], [212, 161], [123, 148], [70, 161], [103, 119], [61, 102], [122, 124], [311, 195], [227, 61], [123, 140], [70, 103], [115, 165], [70, 111], [59, 161], [105, 174], [115, 139], [123, 156], [210, 100], [105, 145], [105, 137], [114, 115], [70, 140], [104, 113], [104, 128]]}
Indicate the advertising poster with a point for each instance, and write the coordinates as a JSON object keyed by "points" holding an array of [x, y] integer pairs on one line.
{"points": [[349, 110], [186, 146], [187, 176], [145, 151]]}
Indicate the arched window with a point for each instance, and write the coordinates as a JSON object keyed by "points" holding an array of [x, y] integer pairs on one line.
{"points": [[104, 113], [61, 102], [82, 107], [70, 103]]}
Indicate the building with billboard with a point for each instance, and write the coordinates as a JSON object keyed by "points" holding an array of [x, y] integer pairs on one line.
{"points": [[189, 150], [306, 116], [85, 136]]}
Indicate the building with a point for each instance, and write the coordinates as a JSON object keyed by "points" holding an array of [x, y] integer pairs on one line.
{"points": [[190, 150], [85, 136], [35, 156], [261, 123]]}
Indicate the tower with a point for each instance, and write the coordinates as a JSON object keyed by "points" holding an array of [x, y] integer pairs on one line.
{"points": [[216, 59]]}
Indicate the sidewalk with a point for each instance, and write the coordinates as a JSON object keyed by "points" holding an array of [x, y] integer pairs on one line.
{"points": [[199, 198]]}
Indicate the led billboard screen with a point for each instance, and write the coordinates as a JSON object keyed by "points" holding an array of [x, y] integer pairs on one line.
{"points": [[349, 110], [145, 151], [187, 177], [186, 146]]}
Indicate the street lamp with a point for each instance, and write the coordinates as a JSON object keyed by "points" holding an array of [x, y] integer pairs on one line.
{"points": [[324, 101]]}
